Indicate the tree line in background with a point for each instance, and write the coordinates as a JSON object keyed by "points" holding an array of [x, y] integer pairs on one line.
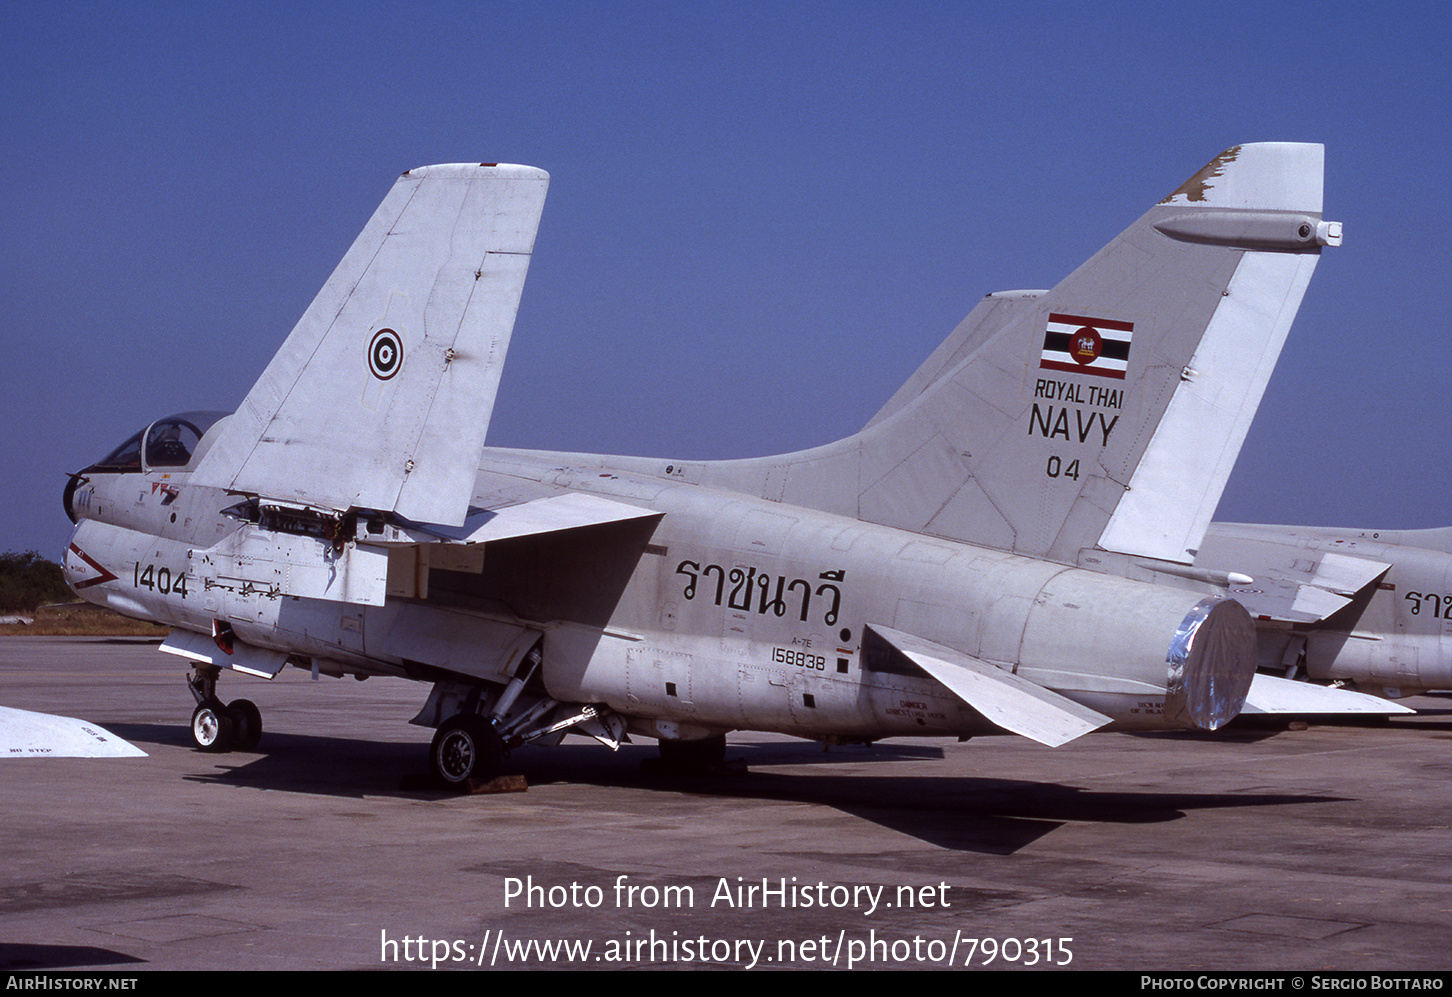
{"points": [[28, 580]]}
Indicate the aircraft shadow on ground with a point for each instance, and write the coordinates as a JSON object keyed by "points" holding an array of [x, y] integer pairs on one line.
{"points": [[1256, 727], [986, 815]]}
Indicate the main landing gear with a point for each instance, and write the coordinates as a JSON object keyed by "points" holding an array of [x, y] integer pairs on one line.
{"points": [[217, 726], [466, 749]]}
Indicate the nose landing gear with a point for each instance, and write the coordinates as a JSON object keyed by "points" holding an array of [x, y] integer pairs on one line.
{"points": [[219, 727], [211, 727]]}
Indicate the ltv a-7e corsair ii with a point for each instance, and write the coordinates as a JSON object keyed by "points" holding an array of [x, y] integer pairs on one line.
{"points": [[1009, 546]]}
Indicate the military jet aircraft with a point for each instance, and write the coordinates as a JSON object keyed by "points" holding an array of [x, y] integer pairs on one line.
{"points": [[1009, 546], [1363, 608]]}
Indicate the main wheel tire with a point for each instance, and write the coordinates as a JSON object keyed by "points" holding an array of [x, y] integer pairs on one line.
{"points": [[465, 749], [689, 755], [246, 723], [212, 727]]}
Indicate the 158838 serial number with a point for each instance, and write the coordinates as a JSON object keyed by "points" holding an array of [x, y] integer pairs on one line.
{"points": [[802, 659]]}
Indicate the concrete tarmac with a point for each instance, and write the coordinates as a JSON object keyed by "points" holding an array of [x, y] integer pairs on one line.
{"points": [[1250, 849]]}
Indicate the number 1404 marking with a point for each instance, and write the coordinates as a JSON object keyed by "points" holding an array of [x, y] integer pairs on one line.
{"points": [[159, 579]]}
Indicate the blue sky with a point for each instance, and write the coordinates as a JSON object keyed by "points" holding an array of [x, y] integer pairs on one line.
{"points": [[762, 217]]}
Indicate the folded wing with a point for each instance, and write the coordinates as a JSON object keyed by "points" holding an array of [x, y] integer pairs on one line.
{"points": [[381, 396]]}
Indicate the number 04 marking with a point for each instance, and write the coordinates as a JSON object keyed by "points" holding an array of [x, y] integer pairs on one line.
{"points": [[1055, 468]]}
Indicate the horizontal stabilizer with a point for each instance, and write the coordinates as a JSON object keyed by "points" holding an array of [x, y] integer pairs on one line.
{"points": [[1269, 694], [24, 734], [243, 657], [1013, 703]]}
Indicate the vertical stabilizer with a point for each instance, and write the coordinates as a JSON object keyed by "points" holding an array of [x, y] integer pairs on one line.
{"points": [[1108, 411]]}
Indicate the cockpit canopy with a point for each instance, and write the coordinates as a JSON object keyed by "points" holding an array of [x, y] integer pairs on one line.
{"points": [[168, 442]]}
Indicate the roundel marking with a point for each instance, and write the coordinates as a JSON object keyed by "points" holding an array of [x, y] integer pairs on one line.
{"points": [[1085, 345], [385, 354]]}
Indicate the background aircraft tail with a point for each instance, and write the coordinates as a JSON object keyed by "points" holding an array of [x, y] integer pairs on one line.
{"points": [[1106, 412], [381, 396]]}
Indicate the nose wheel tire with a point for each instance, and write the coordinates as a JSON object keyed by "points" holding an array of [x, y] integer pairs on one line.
{"points": [[246, 724], [465, 750], [212, 727]]}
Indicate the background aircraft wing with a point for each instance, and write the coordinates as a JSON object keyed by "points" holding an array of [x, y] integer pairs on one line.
{"points": [[1269, 694], [24, 734], [1291, 582]]}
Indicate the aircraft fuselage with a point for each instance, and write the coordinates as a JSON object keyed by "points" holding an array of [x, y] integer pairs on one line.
{"points": [[729, 613]]}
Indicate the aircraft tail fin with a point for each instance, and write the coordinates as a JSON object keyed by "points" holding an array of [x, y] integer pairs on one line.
{"points": [[381, 396], [990, 315], [1107, 412]]}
